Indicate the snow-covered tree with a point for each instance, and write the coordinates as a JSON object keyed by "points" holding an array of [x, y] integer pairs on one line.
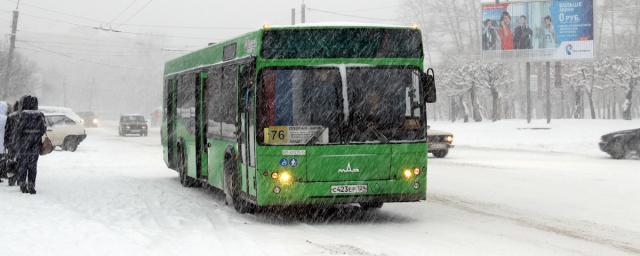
{"points": [[22, 79], [625, 73]]}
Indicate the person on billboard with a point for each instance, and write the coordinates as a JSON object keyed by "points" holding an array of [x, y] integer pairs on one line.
{"points": [[523, 35], [506, 36], [549, 34], [489, 36]]}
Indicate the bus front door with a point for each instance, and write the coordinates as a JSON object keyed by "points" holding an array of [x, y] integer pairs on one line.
{"points": [[202, 148], [248, 131], [171, 118]]}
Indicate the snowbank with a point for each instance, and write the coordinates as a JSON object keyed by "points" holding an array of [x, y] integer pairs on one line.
{"points": [[567, 135]]}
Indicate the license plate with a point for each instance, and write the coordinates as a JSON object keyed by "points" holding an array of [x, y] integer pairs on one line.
{"points": [[349, 189], [134, 130], [437, 146]]}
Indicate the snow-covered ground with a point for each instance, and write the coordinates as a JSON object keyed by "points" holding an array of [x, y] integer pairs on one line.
{"points": [[114, 196]]}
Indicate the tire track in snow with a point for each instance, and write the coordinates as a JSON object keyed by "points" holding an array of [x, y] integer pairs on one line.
{"points": [[582, 231], [342, 249]]}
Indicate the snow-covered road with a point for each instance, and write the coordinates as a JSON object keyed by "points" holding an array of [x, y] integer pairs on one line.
{"points": [[114, 196]]}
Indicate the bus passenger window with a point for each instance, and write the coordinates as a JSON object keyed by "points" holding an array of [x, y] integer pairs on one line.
{"points": [[229, 101], [187, 102], [214, 105]]}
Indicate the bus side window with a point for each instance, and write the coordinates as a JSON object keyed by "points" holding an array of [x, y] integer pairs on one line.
{"points": [[214, 104], [186, 101], [229, 93]]}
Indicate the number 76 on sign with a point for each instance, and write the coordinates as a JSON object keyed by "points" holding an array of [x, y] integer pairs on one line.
{"points": [[276, 135]]}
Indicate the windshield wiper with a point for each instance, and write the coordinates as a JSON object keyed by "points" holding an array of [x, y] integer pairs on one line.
{"points": [[380, 136], [315, 136]]}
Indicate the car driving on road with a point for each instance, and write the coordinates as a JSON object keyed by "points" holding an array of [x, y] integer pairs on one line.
{"points": [[133, 124], [439, 142], [90, 119], [621, 143], [64, 130]]}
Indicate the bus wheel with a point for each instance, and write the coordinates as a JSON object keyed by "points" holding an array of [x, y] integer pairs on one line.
{"points": [[440, 153], [371, 205], [232, 188], [185, 180]]}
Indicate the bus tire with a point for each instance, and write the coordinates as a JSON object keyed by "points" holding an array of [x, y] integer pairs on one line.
{"points": [[232, 187], [371, 205], [182, 165], [440, 153]]}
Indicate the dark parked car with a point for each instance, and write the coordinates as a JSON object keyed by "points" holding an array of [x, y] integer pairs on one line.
{"points": [[89, 119], [620, 144], [133, 124]]}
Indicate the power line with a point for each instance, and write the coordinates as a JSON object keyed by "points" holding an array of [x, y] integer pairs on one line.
{"points": [[182, 27], [55, 20], [95, 48], [376, 8], [123, 11], [352, 16], [138, 12], [40, 49], [116, 31], [57, 12]]}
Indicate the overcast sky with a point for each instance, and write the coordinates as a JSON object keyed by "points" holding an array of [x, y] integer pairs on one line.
{"points": [[230, 17], [74, 59]]}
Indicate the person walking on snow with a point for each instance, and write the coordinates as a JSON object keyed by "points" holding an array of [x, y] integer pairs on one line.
{"points": [[30, 128], [9, 128], [4, 107]]}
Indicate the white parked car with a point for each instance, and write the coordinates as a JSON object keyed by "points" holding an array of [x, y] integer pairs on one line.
{"points": [[64, 131]]}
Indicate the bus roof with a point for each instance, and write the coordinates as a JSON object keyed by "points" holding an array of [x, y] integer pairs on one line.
{"points": [[340, 25], [247, 45]]}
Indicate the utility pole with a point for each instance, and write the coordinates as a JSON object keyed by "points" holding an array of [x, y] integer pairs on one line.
{"points": [[558, 85], [528, 82], [64, 91], [548, 94], [6, 78], [93, 85], [303, 13], [293, 16]]}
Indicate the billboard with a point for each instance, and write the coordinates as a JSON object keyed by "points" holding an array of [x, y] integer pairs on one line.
{"points": [[541, 30]]}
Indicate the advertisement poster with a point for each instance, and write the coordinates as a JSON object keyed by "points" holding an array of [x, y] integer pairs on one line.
{"points": [[538, 30]]}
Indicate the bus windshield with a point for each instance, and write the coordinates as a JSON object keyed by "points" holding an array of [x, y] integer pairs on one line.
{"points": [[300, 106]]}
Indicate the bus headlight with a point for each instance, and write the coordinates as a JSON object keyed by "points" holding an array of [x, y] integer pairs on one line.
{"points": [[407, 174], [416, 171], [285, 178]]}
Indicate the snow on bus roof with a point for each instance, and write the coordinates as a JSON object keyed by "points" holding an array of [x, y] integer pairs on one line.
{"points": [[342, 24]]}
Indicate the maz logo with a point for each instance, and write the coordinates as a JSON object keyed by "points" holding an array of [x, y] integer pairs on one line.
{"points": [[349, 169]]}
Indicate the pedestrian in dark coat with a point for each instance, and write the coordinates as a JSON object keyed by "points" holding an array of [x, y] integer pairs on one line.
{"points": [[9, 138], [4, 111], [29, 130]]}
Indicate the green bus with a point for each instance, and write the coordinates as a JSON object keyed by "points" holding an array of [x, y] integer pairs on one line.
{"points": [[302, 115]]}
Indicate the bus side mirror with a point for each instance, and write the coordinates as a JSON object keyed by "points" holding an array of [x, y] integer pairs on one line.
{"points": [[428, 82]]}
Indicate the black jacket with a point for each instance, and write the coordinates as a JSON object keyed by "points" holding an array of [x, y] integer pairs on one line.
{"points": [[9, 129], [30, 127]]}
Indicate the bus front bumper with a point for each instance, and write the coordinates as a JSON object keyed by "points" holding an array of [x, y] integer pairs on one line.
{"points": [[324, 193]]}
